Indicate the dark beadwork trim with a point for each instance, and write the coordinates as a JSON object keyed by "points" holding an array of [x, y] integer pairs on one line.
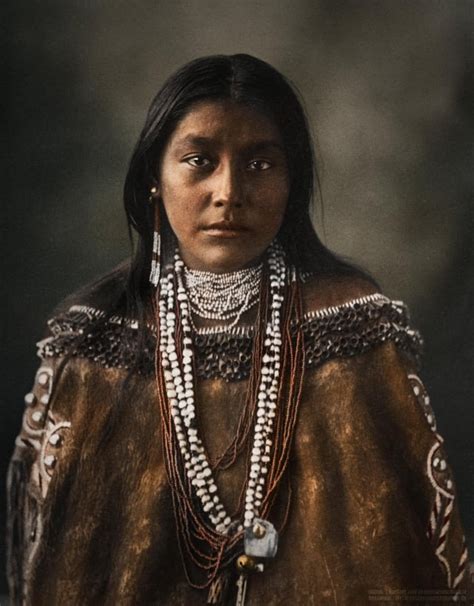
{"points": [[342, 331]]}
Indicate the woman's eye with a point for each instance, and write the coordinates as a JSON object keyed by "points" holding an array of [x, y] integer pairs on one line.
{"points": [[259, 165], [198, 161]]}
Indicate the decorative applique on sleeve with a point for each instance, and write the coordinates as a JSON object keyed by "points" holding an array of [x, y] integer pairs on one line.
{"points": [[444, 529], [36, 453], [346, 330]]}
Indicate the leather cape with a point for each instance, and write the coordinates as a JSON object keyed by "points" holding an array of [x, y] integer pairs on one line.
{"points": [[373, 514]]}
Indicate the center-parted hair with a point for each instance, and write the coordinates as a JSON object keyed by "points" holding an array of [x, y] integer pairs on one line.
{"points": [[252, 82], [246, 80]]}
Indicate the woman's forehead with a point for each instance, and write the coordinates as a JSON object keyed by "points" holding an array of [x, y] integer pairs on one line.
{"points": [[214, 122]]}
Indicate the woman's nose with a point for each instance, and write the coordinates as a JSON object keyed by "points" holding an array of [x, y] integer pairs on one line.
{"points": [[227, 186]]}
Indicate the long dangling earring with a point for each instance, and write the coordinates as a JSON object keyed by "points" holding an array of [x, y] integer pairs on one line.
{"points": [[156, 251]]}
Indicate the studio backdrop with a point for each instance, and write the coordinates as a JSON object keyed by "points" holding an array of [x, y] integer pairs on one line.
{"points": [[388, 89]]}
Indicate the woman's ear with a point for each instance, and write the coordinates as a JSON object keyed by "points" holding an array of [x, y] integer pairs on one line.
{"points": [[154, 193]]}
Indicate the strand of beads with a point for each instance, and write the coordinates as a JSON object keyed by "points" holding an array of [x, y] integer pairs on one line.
{"points": [[224, 296], [178, 375], [179, 383], [268, 390]]}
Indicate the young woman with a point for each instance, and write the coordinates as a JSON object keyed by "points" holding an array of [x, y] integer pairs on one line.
{"points": [[235, 418]]}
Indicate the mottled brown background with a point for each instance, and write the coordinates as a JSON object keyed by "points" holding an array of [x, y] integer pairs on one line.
{"points": [[388, 88]]}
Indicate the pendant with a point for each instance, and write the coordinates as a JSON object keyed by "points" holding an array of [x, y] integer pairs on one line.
{"points": [[261, 539]]}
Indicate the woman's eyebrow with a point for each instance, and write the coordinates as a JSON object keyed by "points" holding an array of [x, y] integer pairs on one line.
{"points": [[266, 145], [194, 140], [252, 146]]}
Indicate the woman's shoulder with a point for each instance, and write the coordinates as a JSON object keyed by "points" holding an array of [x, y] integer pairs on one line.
{"points": [[347, 314], [324, 292], [93, 324], [106, 294]]}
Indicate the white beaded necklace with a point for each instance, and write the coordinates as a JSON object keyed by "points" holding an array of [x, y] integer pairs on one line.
{"points": [[179, 384], [224, 296]]}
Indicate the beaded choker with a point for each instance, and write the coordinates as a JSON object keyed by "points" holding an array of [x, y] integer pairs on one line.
{"points": [[223, 296], [268, 422]]}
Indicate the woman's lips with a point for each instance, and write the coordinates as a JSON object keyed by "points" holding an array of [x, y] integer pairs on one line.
{"points": [[225, 230]]}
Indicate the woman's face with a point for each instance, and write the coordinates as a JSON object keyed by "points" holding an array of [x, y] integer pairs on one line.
{"points": [[224, 184]]}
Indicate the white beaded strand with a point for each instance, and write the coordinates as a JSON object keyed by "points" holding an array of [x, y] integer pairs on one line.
{"points": [[179, 383], [180, 391], [267, 392]]}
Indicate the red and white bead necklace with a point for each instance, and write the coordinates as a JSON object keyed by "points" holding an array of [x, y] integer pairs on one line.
{"points": [[179, 384]]}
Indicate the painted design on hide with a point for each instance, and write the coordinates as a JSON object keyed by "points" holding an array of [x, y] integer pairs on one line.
{"points": [[36, 453], [441, 479], [423, 399], [42, 430]]}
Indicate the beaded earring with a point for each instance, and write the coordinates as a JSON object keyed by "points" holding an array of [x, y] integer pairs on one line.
{"points": [[154, 277]]}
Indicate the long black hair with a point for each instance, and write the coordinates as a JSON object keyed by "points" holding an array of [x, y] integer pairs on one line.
{"points": [[243, 79], [253, 82]]}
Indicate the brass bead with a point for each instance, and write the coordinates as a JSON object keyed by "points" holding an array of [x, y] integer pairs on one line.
{"points": [[245, 563], [259, 531]]}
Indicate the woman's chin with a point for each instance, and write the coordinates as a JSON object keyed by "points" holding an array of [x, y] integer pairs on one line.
{"points": [[220, 262]]}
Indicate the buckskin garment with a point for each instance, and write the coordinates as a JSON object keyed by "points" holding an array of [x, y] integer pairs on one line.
{"points": [[373, 513]]}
